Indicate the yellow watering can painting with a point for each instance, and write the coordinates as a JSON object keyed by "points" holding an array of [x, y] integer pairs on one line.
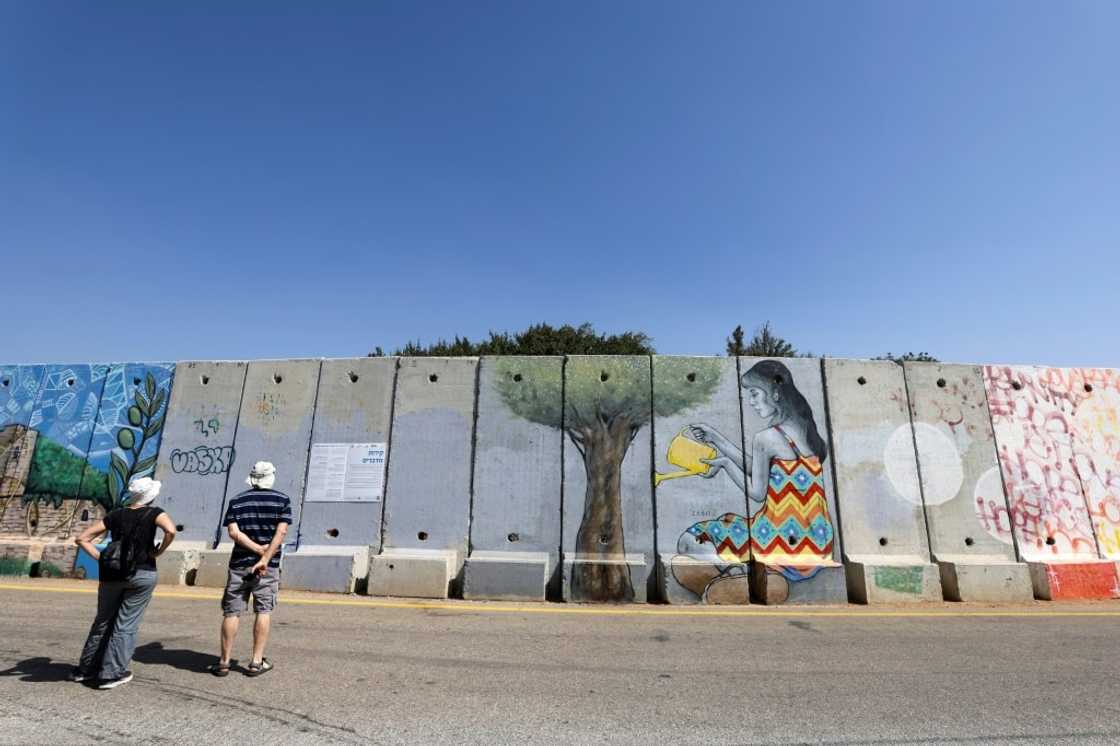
{"points": [[686, 453]]}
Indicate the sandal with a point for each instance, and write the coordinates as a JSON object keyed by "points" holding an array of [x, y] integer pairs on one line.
{"points": [[219, 669], [256, 669]]}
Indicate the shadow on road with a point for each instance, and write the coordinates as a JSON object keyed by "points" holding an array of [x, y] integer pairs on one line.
{"points": [[39, 669], [154, 653]]}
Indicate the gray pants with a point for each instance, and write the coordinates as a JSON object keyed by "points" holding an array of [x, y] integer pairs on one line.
{"points": [[112, 638]]}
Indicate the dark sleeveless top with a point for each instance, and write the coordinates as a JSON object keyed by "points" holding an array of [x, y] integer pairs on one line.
{"points": [[141, 523]]}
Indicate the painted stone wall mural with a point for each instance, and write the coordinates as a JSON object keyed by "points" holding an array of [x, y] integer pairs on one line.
{"points": [[19, 389], [793, 535], [702, 524], [1058, 433]]}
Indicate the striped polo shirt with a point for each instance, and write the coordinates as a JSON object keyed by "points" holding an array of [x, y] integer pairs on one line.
{"points": [[257, 513]]}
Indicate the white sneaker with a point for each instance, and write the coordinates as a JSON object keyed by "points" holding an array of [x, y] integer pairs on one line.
{"points": [[113, 683]]}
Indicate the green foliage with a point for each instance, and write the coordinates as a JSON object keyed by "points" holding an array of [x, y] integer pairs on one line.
{"points": [[537, 395], [684, 382], [916, 357], [377, 352], [736, 347], [600, 389], [55, 473], [146, 416], [539, 339], [767, 344]]}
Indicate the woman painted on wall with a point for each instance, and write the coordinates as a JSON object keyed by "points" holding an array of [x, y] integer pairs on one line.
{"points": [[791, 532]]}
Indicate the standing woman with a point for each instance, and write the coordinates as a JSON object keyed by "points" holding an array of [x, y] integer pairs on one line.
{"points": [[121, 603]]}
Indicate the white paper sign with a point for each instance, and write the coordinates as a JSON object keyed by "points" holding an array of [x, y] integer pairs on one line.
{"points": [[346, 472]]}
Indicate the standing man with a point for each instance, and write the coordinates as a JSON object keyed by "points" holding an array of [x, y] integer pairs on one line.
{"points": [[257, 521]]}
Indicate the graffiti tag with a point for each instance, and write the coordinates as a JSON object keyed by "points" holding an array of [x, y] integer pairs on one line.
{"points": [[202, 460], [208, 427]]}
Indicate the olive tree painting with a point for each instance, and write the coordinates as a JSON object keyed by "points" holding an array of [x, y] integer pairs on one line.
{"points": [[606, 401]]}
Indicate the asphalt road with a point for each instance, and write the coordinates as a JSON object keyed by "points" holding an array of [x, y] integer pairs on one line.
{"points": [[356, 670]]}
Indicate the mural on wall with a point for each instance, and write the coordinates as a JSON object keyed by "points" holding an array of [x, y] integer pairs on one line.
{"points": [[1058, 436], [601, 415], [90, 430], [19, 388], [790, 530]]}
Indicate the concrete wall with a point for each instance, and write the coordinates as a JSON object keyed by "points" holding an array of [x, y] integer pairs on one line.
{"points": [[878, 490], [703, 534], [277, 409], [197, 454], [608, 521], [538, 438], [355, 406], [427, 504], [19, 389], [515, 523], [960, 477]]}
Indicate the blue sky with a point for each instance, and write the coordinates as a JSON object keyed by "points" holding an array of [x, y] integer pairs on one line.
{"points": [[189, 181]]}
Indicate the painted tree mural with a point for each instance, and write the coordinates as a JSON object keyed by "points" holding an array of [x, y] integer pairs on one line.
{"points": [[605, 402]]}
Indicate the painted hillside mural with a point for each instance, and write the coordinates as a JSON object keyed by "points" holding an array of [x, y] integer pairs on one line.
{"points": [[71, 442]]}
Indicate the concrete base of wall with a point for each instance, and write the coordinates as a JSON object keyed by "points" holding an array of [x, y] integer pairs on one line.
{"points": [[213, 567], [1069, 581], [505, 576], [897, 579], [327, 569], [178, 566], [989, 580], [770, 587], [414, 573], [685, 580], [639, 570]]}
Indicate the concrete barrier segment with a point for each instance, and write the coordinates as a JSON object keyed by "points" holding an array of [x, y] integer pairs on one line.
{"points": [[515, 517], [427, 500], [608, 540], [703, 529], [962, 492], [197, 455], [886, 545]]}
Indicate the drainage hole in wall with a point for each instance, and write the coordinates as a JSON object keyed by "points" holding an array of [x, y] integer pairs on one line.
{"points": [[135, 381], [1088, 388], [332, 532], [604, 376], [70, 382], [968, 541], [191, 576], [34, 522], [1016, 385], [178, 527], [940, 383], [604, 539], [517, 377], [5, 382], [422, 535], [861, 380], [1050, 541], [205, 380], [792, 539], [353, 377], [433, 378], [778, 380], [85, 515], [277, 378], [691, 377], [390, 567], [882, 541], [513, 537]]}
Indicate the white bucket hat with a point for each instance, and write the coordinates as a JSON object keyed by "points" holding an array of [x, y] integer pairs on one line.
{"points": [[262, 475], [142, 490]]}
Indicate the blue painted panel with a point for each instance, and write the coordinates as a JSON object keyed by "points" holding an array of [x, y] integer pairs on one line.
{"points": [[128, 427]]}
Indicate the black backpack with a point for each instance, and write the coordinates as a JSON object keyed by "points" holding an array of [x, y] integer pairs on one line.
{"points": [[117, 561]]}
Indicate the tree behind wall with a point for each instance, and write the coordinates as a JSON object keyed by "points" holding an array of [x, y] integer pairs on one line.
{"points": [[539, 339], [606, 401], [764, 343]]}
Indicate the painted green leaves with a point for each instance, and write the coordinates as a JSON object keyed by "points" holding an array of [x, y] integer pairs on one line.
{"points": [[145, 415]]}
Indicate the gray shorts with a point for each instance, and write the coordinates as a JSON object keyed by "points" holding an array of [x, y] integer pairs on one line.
{"points": [[243, 581]]}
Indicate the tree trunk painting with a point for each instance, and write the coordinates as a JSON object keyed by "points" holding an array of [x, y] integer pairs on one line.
{"points": [[603, 446]]}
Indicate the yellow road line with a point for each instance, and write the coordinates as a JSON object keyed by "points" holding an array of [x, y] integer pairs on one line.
{"points": [[466, 607]]}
